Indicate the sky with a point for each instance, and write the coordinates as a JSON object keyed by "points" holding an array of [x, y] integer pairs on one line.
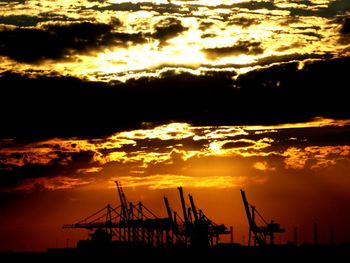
{"points": [[212, 95]]}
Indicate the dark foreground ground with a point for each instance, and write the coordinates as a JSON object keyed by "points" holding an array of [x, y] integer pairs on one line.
{"points": [[219, 254]]}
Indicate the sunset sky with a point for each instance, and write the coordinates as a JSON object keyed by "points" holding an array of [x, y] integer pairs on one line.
{"points": [[211, 95]]}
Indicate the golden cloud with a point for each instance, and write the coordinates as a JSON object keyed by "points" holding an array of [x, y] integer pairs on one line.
{"points": [[263, 166], [322, 156], [164, 181]]}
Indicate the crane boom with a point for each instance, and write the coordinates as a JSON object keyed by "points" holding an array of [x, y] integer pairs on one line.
{"points": [[123, 202], [168, 210], [261, 232], [194, 210], [247, 210], [183, 205]]}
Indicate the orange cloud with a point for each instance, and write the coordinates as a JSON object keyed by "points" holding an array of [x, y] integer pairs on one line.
{"points": [[322, 156], [55, 183], [263, 166], [315, 122], [163, 181], [90, 170]]}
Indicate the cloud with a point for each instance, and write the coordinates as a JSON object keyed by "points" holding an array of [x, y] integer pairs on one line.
{"points": [[263, 166], [337, 7], [160, 8], [84, 109], [296, 8], [51, 184], [241, 47], [11, 1], [90, 170], [61, 41], [237, 144], [345, 29], [13, 174], [255, 5], [208, 35], [244, 22], [165, 181], [315, 157], [289, 58], [204, 25], [176, 148], [31, 20], [311, 34], [21, 20], [168, 28]]}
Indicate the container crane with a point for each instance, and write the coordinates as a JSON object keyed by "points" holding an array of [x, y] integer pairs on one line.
{"points": [[195, 230], [260, 233]]}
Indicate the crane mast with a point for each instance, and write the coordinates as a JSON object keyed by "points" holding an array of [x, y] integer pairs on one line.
{"points": [[260, 233]]}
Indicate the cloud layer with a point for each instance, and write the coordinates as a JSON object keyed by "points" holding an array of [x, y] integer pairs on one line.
{"points": [[176, 154], [109, 41], [282, 93]]}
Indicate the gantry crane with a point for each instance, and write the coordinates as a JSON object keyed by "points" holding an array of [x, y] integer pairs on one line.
{"points": [[127, 223], [195, 229], [135, 223], [260, 233]]}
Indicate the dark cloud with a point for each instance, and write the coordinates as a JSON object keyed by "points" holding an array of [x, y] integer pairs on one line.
{"points": [[21, 20], [290, 20], [344, 38], [336, 7], [12, 175], [255, 5], [231, 145], [204, 25], [311, 34], [42, 107], [134, 7], [244, 22], [28, 21], [290, 57], [13, 1], [241, 47], [308, 8], [61, 41], [208, 35], [168, 28], [345, 29]]}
